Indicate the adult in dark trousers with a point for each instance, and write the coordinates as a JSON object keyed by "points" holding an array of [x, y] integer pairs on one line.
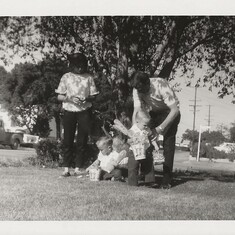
{"points": [[158, 98], [76, 90]]}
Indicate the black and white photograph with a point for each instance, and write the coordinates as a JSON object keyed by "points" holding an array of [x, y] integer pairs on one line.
{"points": [[117, 117]]}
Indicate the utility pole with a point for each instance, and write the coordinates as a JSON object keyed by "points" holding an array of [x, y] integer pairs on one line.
{"points": [[194, 111], [209, 116]]}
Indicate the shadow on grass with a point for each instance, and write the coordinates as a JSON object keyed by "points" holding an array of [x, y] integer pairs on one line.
{"points": [[181, 177]]}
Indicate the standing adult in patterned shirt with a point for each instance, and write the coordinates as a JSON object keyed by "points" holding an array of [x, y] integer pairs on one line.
{"points": [[158, 98], [76, 90]]}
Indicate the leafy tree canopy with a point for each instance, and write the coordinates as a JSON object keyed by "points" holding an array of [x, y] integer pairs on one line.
{"points": [[213, 137], [121, 44]]}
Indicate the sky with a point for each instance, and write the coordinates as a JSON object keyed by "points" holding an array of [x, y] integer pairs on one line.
{"points": [[222, 111]]}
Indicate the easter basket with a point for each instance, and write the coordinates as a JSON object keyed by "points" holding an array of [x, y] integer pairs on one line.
{"points": [[139, 151], [94, 174], [158, 158]]}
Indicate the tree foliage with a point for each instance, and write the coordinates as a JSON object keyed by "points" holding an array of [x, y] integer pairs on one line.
{"points": [[121, 44], [15, 94], [190, 135], [29, 94], [213, 137]]}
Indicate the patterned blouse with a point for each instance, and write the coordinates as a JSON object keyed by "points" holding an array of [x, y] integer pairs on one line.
{"points": [[80, 85], [159, 97]]}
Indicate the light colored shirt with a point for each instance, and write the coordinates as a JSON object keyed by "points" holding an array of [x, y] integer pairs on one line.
{"points": [[159, 97], [79, 85], [108, 162]]}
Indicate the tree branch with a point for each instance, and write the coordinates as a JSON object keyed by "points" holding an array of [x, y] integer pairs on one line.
{"points": [[162, 47], [207, 39]]}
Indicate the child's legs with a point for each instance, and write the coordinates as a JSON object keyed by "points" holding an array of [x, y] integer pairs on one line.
{"points": [[124, 172], [116, 173], [69, 122], [147, 167], [83, 130], [133, 170]]}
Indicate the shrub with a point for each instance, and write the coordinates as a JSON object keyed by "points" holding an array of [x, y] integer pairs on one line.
{"points": [[207, 151], [50, 151]]}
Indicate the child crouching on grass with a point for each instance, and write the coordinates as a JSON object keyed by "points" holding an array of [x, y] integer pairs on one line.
{"points": [[108, 160], [123, 149]]}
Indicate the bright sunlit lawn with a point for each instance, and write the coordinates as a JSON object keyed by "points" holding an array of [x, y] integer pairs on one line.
{"points": [[30, 193]]}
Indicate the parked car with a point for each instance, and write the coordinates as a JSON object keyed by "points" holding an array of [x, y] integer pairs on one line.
{"points": [[185, 145], [226, 147], [16, 137]]}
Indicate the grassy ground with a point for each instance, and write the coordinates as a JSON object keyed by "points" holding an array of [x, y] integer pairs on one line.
{"points": [[30, 193]]}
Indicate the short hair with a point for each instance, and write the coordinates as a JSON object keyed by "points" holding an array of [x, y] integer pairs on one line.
{"points": [[77, 59], [117, 141], [119, 144], [142, 114], [139, 78], [104, 141]]}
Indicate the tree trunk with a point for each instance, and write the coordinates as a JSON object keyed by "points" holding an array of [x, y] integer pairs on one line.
{"points": [[161, 49], [166, 52], [167, 68], [122, 73]]}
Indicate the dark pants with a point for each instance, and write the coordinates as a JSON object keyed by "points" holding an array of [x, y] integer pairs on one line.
{"points": [[145, 166], [169, 138], [80, 121], [115, 173]]}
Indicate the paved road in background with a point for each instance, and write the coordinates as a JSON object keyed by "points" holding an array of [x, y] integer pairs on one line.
{"points": [[183, 162], [17, 154]]}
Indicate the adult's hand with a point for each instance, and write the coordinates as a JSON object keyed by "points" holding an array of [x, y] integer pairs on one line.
{"points": [[154, 134], [77, 100]]}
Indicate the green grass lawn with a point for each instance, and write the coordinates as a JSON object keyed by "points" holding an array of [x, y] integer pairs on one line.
{"points": [[30, 193]]}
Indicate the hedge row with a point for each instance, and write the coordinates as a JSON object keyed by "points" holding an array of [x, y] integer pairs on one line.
{"points": [[207, 151], [50, 151]]}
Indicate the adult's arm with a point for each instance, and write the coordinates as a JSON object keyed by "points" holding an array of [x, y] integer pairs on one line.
{"points": [[91, 98], [137, 104], [62, 97], [174, 111], [65, 98]]}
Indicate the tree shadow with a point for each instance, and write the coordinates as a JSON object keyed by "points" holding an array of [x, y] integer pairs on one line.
{"points": [[181, 177]]}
